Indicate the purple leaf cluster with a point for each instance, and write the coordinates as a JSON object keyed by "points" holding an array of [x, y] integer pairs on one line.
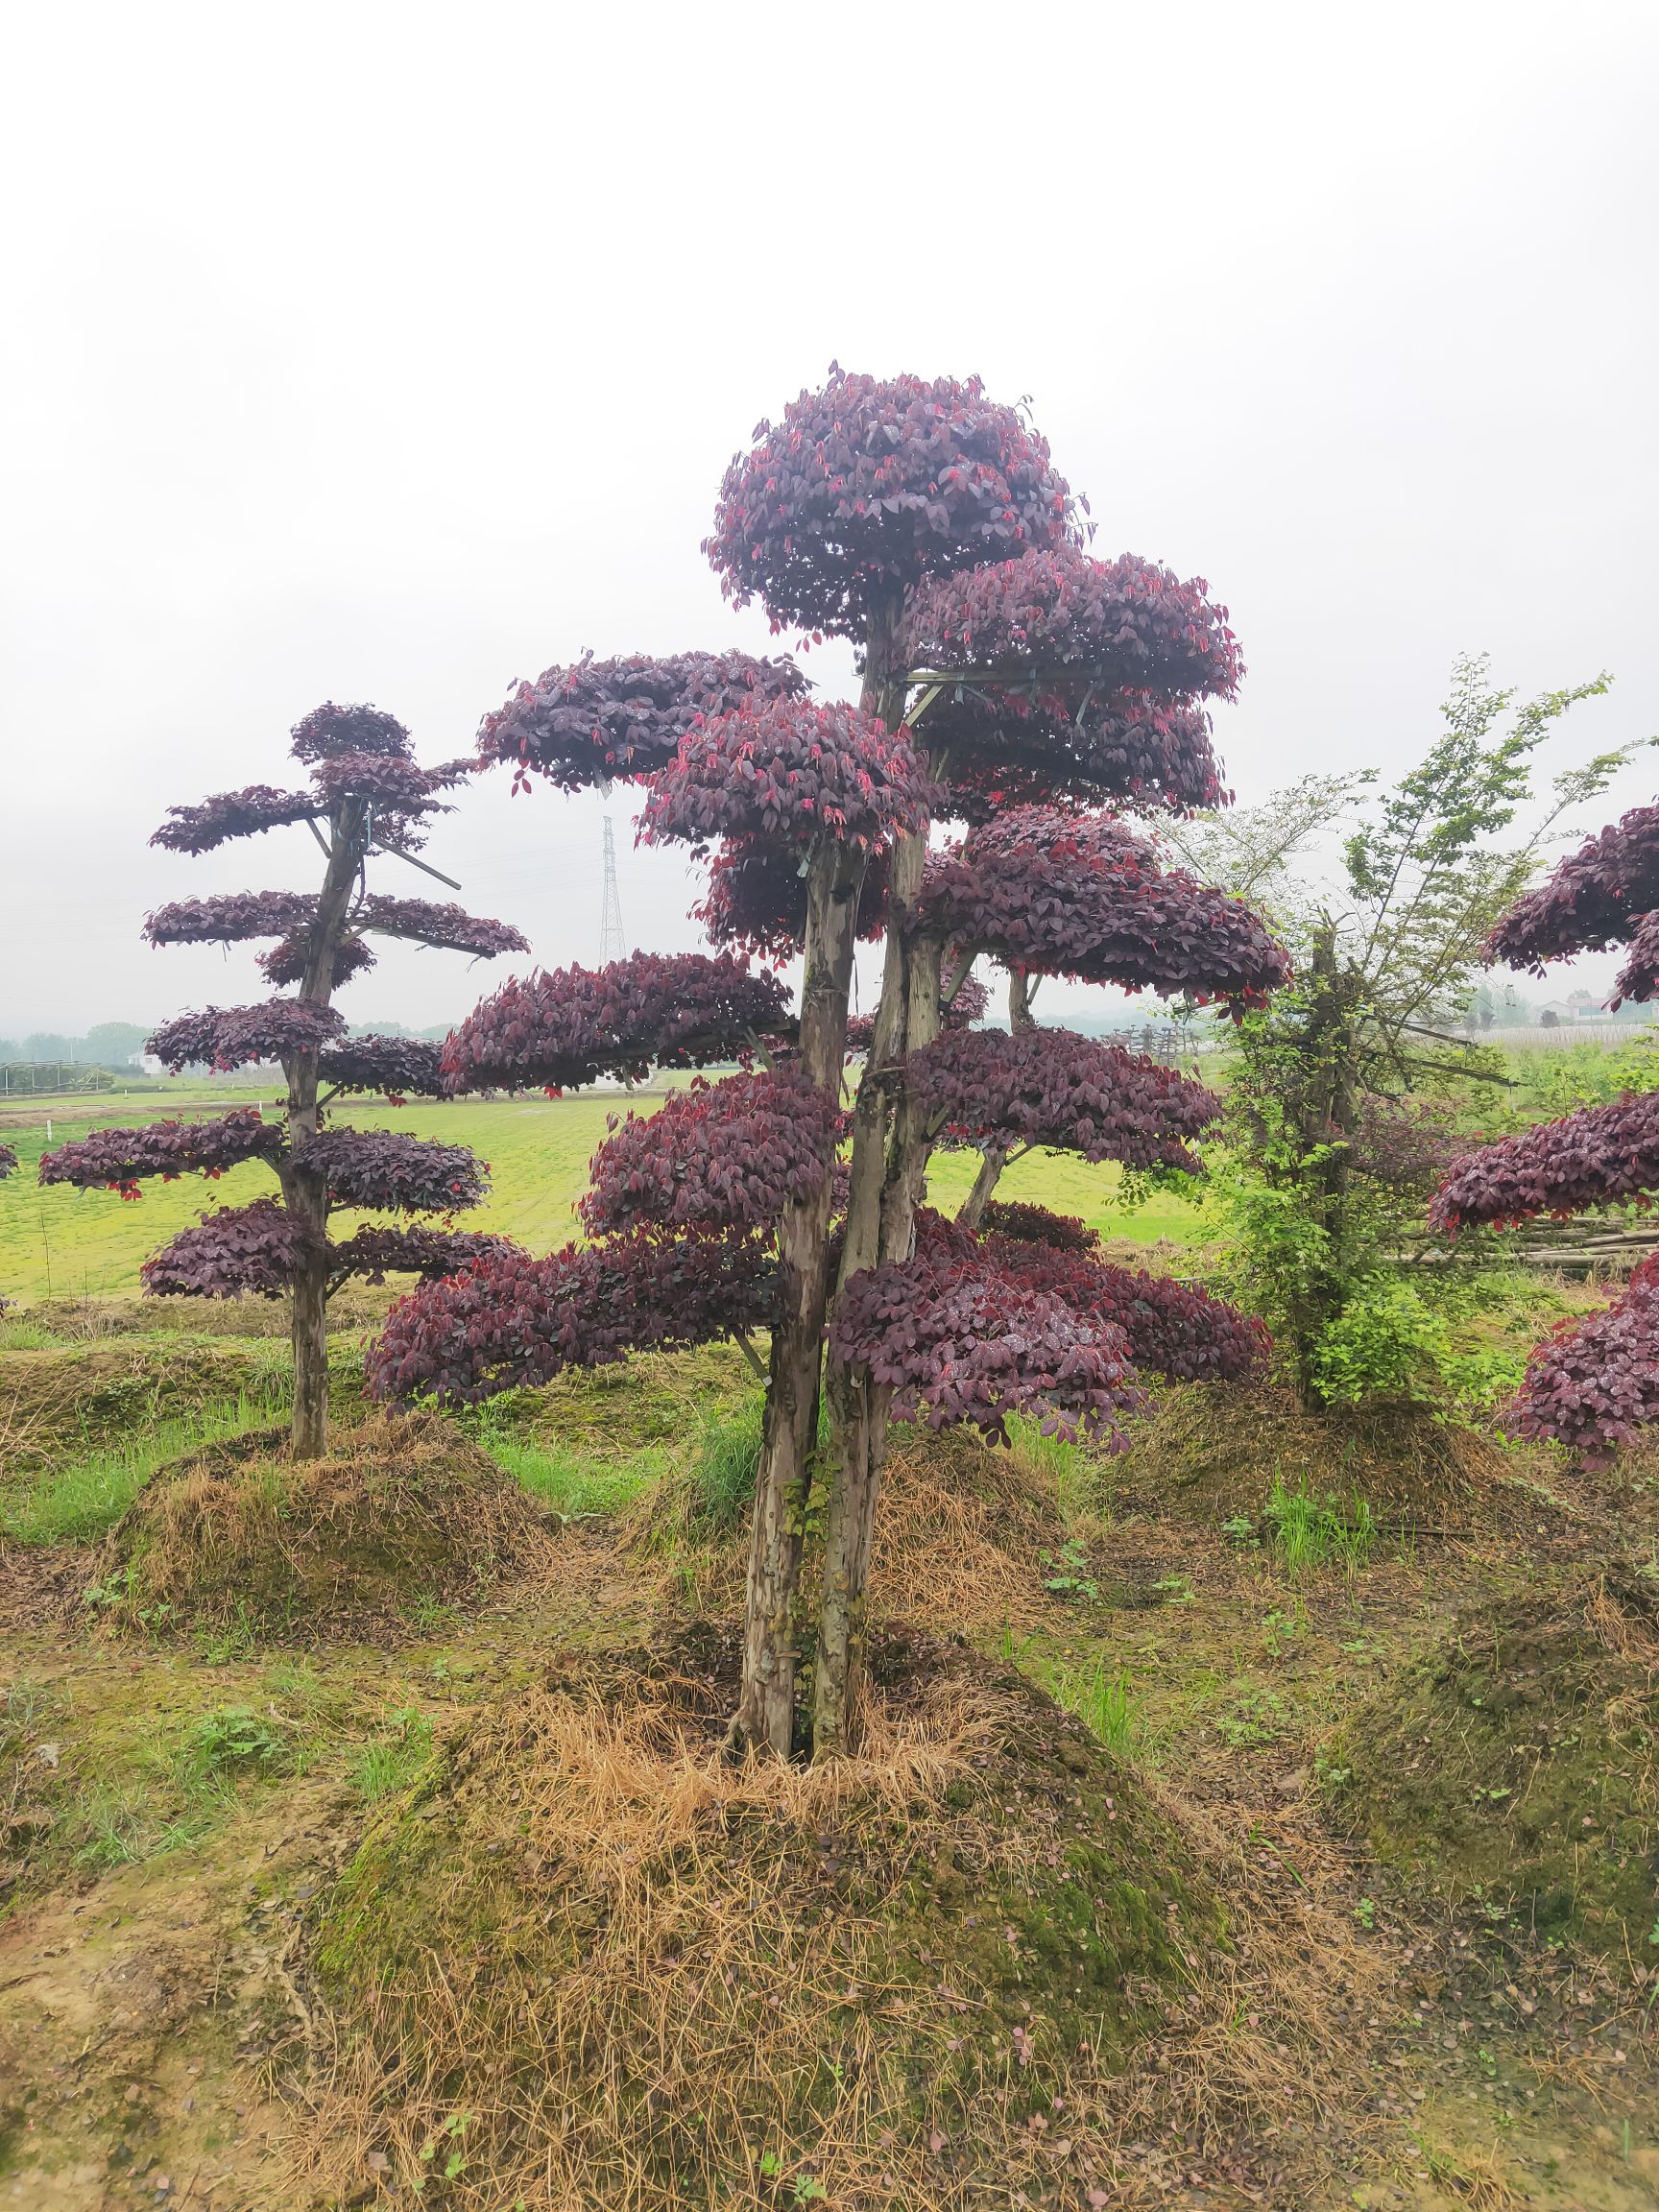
{"points": [[957, 1340], [866, 487], [230, 917], [330, 731], [1594, 898], [399, 1067], [1022, 1222], [1592, 1384], [1173, 1328], [121, 1159], [445, 928], [1082, 895], [724, 1155], [605, 721], [570, 1025], [377, 1251], [1601, 1156], [232, 1036], [232, 815], [289, 961], [1057, 613], [756, 899], [238, 1251], [789, 773], [8, 1160], [514, 1321], [996, 1090], [383, 1169], [1014, 748]]}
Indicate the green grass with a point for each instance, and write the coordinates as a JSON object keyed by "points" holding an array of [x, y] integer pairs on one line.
{"points": [[85, 1495], [566, 1480], [1310, 1531], [395, 1759], [1104, 1701], [63, 1242]]}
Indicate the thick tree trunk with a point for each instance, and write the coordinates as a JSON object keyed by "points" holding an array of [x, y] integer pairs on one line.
{"points": [[885, 1183], [766, 1704], [305, 1194]]}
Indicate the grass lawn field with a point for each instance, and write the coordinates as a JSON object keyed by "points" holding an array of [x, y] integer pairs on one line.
{"points": [[59, 1241]]}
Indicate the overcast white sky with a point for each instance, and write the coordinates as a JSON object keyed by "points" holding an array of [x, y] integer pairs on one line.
{"points": [[393, 352]]}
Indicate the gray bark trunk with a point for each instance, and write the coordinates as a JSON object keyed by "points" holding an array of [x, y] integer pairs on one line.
{"points": [[766, 1703]]}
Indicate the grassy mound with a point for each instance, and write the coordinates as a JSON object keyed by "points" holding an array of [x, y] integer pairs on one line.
{"points": [[590, 1962], [1208, 1454], [1513, 1773], [401, 1519]]}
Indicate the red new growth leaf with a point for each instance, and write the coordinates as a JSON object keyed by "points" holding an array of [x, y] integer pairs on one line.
{"points": [[233, 1035], [380, 1168], [604, 721], [1601, 1156], [990, 1088], [726, 1155], [866, 487], [789, 773], [1083, 895], [121, 1159], [516, 1321], [571, 1025]]}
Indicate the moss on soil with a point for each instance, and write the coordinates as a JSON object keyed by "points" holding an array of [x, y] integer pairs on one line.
{"points": [[1513, 1771], [644, 1971], [400, 1517]]}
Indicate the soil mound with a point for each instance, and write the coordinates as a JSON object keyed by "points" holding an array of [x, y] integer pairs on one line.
{"points": [[1513, 1772], [57, 1401], [1205, 1455], [591, 1962], [402, 1516]]}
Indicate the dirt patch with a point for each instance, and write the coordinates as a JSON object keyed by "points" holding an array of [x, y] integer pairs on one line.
{"points": [[1513, 1772], [596, 1964], [404, 1519]]}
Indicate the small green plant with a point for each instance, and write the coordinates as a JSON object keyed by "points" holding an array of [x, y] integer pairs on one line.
{"points": [[1069, 1571], [1173, 1590], [231, 1742], [1258, 1716], [396, 1759], [442, 2154], [1242, 1529], [1107, 1706], [1365, 1913], [1310, 1531]]}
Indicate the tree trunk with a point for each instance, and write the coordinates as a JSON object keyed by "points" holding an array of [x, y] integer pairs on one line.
{"points": [[766, 1702], [304, 1192], [857, 1407], [1326, 1112]]}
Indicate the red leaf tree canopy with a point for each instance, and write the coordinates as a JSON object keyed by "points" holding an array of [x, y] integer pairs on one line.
{"points": [[607, 721], [867, 487], [725, 1155], [570, 1025], [1597, 898], [1083, 895], [1599, 1156], [368, 796], [1050, 1087]]}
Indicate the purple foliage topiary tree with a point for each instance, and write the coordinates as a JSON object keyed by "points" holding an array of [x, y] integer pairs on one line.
{"points": [[1012, 683], [368, 796]]}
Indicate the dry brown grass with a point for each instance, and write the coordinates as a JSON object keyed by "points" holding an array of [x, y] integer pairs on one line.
{"points": [[401, 1511], [652, 1977]]}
